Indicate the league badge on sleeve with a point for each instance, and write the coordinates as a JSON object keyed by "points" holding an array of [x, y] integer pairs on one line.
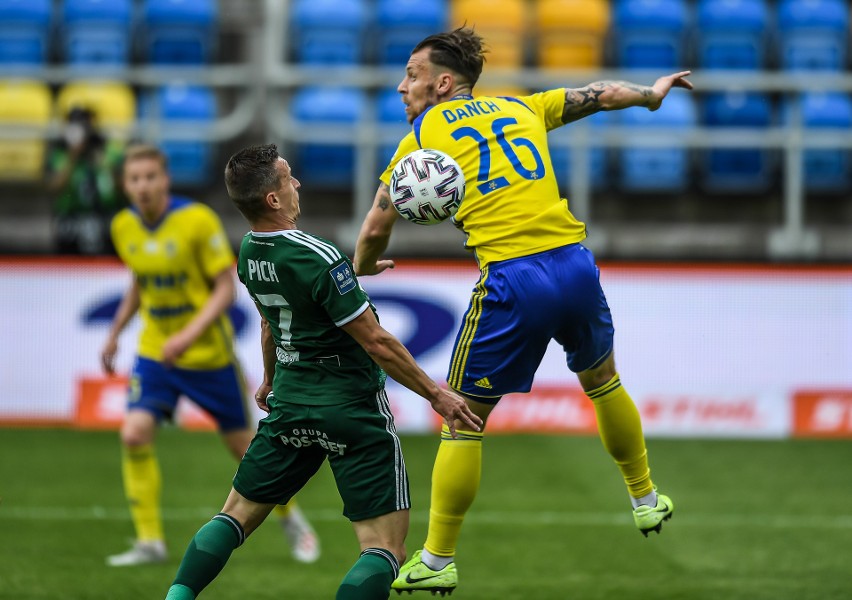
{"points": [[343, 278]]}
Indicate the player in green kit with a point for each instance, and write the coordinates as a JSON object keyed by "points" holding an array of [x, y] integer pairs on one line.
{"points": [[182, 285], [325, 358], [537, 282]]}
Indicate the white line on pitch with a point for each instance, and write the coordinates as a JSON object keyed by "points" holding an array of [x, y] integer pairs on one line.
{"points": [[544, 518]]}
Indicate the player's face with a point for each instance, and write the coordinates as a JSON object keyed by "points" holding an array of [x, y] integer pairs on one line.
{"points": [[288, 189], [147, 185], [419, 84]]}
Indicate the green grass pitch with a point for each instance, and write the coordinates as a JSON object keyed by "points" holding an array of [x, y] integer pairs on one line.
{"points": [[754, 520]]}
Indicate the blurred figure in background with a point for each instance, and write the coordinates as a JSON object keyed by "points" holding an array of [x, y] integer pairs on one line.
{"points": [[83, 174], [183, 285]]}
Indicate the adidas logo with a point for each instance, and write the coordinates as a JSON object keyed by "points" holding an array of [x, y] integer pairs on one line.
{"points": [[483, 383]]}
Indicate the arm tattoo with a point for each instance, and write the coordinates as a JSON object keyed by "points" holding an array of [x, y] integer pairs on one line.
{"points": [[582, 102], [383, 196]]}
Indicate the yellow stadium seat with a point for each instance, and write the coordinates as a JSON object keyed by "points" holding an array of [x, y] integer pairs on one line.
{"points": [[571, 33], [502, 23], [23, 103], [112, 102]]}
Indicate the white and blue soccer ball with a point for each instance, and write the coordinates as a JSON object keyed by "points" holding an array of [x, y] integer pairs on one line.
{"points": [[427, 186]]}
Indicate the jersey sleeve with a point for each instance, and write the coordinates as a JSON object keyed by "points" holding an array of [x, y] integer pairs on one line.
{"points": [[214, 251], [547, 105], [406, 145], [337, 290]]}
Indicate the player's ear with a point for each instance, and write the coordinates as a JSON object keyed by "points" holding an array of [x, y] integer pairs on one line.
{"points": [[272, 201], [446, 81]]}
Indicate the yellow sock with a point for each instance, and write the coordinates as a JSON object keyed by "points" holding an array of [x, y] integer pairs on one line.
{"points": [[620, 429], [282, 511], [455, 481], [142, 484]]}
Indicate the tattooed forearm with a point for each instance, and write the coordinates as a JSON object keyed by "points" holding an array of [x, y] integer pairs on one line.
{"points": [[383, 196], [602, 95]]}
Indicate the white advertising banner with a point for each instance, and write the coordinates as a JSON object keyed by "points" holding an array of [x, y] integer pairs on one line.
{"points": [[703, 350]]}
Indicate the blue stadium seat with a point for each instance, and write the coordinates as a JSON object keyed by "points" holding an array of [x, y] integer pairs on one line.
{"points": [[813, 34], [562, 156], [179, 32], [328, 31], [826, 169], [190, 161], [391, 115], [740, 170], [732, 34], [96, 32], [650, 34], [401, 24], [327, 165], [24, 32], [646, 169]]}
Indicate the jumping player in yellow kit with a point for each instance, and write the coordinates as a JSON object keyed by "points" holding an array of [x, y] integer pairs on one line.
{"points": [[537, 281]]}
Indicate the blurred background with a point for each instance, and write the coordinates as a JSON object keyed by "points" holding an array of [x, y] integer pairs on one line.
{"points": [[754, 165], [722, 224]]}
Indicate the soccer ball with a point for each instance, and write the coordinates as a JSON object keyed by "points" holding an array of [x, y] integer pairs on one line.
{"points": [[427, 186]]}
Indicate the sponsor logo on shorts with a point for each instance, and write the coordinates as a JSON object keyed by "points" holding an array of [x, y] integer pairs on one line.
{"points": [[304, 438]]}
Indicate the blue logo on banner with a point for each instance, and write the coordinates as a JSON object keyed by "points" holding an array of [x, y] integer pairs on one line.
{"points": [[433, 323]]}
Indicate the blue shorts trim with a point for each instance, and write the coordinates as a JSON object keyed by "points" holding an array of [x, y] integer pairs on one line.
{"points": [[516, 308], [221, 393]]}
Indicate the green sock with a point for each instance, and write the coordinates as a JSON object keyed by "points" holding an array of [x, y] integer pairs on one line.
{"points": [[205, 557], [370, 577]]}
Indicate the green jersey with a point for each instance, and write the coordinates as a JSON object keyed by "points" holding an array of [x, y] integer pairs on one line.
{"points": [[306, 290]]}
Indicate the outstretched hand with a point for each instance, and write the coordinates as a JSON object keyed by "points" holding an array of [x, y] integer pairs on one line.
{"points": [[380, 266], [661, 87], [453, 407]]}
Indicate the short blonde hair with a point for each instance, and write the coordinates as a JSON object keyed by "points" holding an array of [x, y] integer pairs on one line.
{"points": [[143, 151]]}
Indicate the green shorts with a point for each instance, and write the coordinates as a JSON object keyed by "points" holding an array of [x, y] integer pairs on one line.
{"points": [[359, 439]]}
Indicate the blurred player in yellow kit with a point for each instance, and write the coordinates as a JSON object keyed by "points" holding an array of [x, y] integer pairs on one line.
{"points": [[183, 284], [537, 282]]}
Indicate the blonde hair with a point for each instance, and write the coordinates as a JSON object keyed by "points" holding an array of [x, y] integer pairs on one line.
{"points": [[143, 151]]}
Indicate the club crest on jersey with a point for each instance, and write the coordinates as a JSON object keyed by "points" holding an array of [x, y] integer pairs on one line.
{"points": [[343, 278]]}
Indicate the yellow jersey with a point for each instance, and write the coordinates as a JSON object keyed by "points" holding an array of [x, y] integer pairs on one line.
{"points": [[512, 206], [175, 262]]}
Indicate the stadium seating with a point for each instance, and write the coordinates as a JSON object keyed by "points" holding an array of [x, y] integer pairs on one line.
{"points": [[96, 32], [112, 102], [328, 31], [825, 169], [24, 32], [562, 156], [732, 34], [813, 34], [650, 34], [401, 24], [329, 166], [190, 160], [179, 31], [571, 33], [503, 24], [390, 113], [651, 169], [23, 103], [737, 169]]}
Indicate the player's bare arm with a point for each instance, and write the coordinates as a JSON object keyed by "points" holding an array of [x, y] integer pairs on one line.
{"points": [[397, 362], [267, 348], [126, 309], [616, 95], [375, 234]]}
